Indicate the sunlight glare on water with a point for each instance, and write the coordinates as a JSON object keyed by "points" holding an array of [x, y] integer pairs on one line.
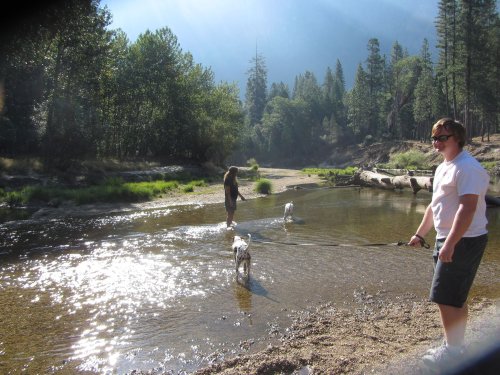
{"points": [[115, 283]]}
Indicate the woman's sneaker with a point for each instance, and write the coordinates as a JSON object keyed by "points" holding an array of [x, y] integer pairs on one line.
{"points": [[433, 350], [442, 356]]}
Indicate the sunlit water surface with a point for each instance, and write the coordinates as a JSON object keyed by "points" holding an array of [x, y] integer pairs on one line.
{"points": [[157, 289]]}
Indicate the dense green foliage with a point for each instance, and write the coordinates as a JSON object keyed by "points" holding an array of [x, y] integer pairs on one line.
{"points": [[252, 163], [332, 175], [412, 160], [70, 89], [325, 172], [75, 90], [396, 97]]}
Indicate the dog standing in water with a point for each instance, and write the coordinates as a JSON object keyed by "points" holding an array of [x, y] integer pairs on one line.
{"points": [[288, 211], [241, 255]]}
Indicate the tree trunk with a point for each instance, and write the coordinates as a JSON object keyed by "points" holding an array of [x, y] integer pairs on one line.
{"points": [[416, 183], [373, 179]]}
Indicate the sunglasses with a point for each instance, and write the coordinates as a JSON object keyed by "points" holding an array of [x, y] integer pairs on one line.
{"points": [[441, 138]]}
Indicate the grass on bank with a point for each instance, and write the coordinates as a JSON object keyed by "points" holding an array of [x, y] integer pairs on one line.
{"points": [[331, 175], [112, 191], [263, 186], [411, 160], [189, 187], [327, 172]]}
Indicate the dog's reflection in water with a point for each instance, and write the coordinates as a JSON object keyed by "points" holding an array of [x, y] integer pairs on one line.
{"points": [[243, 295]]}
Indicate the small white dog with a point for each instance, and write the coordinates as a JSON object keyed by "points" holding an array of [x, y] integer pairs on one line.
{"points": [[288, 211], [241, 254]]}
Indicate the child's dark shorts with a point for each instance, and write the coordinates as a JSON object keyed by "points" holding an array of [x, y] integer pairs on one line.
{"points": [[230, 205], [452, 281]]}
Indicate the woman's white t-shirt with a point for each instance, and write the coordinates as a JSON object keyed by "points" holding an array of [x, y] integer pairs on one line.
{"points": [[460, 176]]}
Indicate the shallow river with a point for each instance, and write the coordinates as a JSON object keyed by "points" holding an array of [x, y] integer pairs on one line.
{"points": [[157, 289]]}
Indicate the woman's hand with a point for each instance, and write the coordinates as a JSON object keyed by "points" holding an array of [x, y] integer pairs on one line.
{"points": [[446, 253], [415, 241]]}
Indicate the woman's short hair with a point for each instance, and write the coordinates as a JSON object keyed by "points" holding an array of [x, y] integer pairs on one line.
{"points": [[453, 126]]}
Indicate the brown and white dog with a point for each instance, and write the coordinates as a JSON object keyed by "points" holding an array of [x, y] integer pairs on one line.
{"points": [[241, 254]]}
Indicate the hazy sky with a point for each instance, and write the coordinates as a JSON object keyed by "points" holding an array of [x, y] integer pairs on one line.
{"points": [[293, 35]]}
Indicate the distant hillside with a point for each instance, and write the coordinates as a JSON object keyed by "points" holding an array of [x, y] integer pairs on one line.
{"points": [[359, 155]]}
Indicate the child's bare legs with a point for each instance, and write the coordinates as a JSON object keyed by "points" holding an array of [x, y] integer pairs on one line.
{"points": [[229, 220]]}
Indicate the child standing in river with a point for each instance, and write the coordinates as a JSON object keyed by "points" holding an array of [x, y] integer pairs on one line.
{"points": [[231, 193]]}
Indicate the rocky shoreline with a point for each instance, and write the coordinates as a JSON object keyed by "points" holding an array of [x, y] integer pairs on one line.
{"points": [[375, 335]]}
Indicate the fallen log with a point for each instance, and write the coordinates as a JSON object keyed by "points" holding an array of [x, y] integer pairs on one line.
{"points": [[416, 183], [373, 179], [400, 171]]}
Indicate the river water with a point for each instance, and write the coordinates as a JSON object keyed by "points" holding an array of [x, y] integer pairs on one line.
{"points": [[156, 289]]}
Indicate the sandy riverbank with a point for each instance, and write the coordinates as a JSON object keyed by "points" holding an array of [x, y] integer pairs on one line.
{"points": [[281, 179]]}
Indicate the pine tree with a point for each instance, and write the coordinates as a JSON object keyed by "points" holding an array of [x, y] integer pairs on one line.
{"points": [[358, 107], [256, 92], [339, 94], [477, 18], [424, 106], [446, 27], [278, 89], [328, 89], [374, 81]]}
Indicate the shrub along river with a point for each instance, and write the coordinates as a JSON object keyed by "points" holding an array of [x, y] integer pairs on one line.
{"points": [[156, 289]]}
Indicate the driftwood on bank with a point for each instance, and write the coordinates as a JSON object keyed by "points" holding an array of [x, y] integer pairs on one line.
{"points": [[374, 179], [400, 171], [416, 183]]}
